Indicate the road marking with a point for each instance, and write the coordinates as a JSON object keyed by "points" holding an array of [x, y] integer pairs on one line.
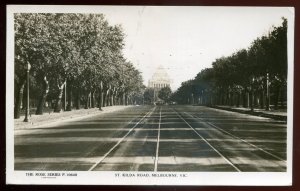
{"points": [[157, 146], [227, 160], [106, 154], [261, 149]]}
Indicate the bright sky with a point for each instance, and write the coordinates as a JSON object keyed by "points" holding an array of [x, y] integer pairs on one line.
{"points": [[184, 40]]}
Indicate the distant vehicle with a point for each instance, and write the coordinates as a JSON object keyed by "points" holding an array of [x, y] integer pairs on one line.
{"points": [[160, 102]]}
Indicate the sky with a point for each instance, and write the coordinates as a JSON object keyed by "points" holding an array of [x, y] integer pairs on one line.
{"points": [[185, 40]]}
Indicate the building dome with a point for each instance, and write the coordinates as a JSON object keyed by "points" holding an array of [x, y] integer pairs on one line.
{"points": [[160, 79]]}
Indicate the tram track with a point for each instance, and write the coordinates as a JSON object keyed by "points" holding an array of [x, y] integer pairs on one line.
{"points": [[238, 138], [121, 140], [209, 144], [157, 145], [157, 139]]}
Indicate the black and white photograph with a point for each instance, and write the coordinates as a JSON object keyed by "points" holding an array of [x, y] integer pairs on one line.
{"points": [[149, 95]]}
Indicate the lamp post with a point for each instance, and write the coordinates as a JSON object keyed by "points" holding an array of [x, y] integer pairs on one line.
{"points": [[101, 96], [143, 99], [192, 99], [268, 93], [122, 97], [65, 98], [154, 95], [252, 94], [27, 96], [201, 98]]}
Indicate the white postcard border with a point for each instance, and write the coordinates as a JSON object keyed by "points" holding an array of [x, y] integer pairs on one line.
{"points": [[135, 178]]}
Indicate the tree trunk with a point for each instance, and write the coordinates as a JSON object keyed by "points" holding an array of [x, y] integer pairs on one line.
{"points": [[256, 99], [115, 98], [247, 99], [93, 99], [252, 100], [229, 98], [126, 99], [244, 100], [238, 99], [58, 104], [123, 98], [87, 100], [90, 100], [119, 99], [112, 97], [70, 97], [276, 96], [101, 96], [40, 107], [100, 99], [262, 99], [77, 102], [103, 101], [104, 97], [107, 97], [19, 98]]}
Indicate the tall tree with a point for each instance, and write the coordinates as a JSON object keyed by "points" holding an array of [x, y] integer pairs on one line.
{"points": [[165, 93]]}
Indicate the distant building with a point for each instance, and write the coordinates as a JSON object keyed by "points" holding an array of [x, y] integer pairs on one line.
{"points": [[160, 79]]}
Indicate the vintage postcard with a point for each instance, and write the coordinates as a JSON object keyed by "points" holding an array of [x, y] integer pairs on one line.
{"points": [[149, 95]]}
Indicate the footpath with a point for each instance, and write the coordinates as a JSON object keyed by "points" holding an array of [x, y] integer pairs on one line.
{"points": [[46, 118], [273, 114]]}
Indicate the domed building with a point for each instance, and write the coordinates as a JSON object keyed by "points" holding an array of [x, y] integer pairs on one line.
{"points": [[160, 79]]}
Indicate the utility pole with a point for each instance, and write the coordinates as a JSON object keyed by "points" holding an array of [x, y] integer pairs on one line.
{"points": [[27, 96], [252, 94], [154, 95], [65, 101], [101, 96], [268, 94]]}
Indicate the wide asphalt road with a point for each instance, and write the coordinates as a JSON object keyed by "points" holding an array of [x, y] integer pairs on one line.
{"points": [[156, 138]]}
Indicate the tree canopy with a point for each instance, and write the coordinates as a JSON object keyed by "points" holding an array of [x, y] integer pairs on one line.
{"points": [[82, 50], [246, 72], [165, 93]]}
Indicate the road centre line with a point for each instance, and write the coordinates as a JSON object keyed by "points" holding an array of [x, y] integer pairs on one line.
{"points": [[226, 132], [157, 145], [227, 160], [106, 154]]}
